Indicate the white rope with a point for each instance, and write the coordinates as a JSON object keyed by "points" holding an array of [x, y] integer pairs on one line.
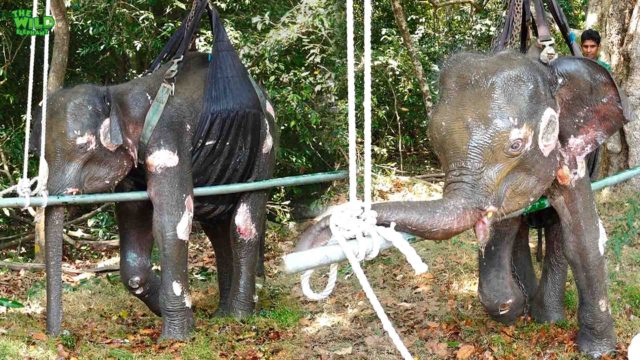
{"points": [[43, 169], [350, 221], [24, 185], [355, 219], [351, 97], [373, 299], [367, 104]]}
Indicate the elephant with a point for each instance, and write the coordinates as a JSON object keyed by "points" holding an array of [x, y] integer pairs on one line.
{"points": [[93, 145], [507, 130]]}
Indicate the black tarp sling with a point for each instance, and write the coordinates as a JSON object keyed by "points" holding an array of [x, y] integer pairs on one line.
{"points": [[226, 139]]}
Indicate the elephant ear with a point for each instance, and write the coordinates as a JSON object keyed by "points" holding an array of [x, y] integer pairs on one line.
{"points": [[591, 110], [111, 135]]}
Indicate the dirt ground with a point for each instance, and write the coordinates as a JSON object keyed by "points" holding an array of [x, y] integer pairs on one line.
{"points": [[437, 314]]}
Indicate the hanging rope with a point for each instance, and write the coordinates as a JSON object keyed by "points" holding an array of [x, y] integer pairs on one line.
{"points": [[356, 219], [24, 185]]}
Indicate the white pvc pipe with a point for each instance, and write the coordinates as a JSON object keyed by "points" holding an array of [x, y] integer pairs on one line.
{"points": [[326, 255]]}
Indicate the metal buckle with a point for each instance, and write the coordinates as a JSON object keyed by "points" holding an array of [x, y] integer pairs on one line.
{"points": [[548, 53], [173, 69]]}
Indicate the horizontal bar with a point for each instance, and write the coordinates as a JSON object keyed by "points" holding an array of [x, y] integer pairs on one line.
{"points": [[329, 254], [543, 202], [200, 191], [326, 255]]}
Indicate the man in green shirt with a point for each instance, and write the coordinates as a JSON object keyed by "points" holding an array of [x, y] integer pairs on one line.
{"points": [[590, 44]]}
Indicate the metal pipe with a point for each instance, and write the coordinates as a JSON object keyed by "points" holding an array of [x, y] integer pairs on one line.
{"points": [[201, 191], [543, 202], [325, 255]]}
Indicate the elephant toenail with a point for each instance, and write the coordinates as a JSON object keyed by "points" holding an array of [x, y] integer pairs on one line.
{"points": [[505, 307], [134, 282]]}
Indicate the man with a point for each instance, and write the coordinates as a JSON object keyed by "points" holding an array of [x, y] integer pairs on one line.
{"points": [[590, 44]]}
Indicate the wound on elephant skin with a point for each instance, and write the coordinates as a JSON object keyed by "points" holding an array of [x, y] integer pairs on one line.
{"points": [[88, 140], [244, 225], [161, 159], [549, 129], [602, 238], [105, 137], [177, 288], [268, 139], [183, 229]]}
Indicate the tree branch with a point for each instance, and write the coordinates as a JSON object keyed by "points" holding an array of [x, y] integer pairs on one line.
{"points": [[398, 13], [38, 267], [478, 5]]}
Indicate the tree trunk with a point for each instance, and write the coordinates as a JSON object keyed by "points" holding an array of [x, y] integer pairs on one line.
{"points": [[619, 25], [55, 81], [401, 21], [60, 46]]}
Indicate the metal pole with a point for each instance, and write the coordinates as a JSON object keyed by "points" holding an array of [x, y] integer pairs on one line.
{"points": [[325, 255], [543, 202], [201, 191]]}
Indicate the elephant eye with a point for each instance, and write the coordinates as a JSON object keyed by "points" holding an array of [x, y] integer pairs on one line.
{"points": [[515, 147]]}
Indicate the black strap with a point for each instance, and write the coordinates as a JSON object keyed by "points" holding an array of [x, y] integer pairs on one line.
{"points": [[563, 24], [179, 42]]}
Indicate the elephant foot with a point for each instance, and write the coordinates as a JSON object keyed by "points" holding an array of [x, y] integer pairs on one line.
{"points": [[222, 311], [505, 309], [241, 312], [180, 327], [508, 313], [545, 315], [596, 346]]}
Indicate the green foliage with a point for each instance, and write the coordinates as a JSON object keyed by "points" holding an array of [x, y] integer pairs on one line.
{"points": [[68, 340], [571, 299], [121, 354], [11, 304], [284, 317], [626, 228]]}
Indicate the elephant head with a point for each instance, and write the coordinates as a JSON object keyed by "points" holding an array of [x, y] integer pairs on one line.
{"points": [[92, 136], [506, 127]]}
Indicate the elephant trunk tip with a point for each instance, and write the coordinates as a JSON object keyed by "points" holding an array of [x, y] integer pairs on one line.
{"points": [[483, 225]]}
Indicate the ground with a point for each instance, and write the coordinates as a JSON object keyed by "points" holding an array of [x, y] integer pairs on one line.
{"points": [[437, 314]]}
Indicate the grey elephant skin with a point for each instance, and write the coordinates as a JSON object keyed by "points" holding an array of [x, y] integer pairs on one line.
{"points": [[92, 146], [507, 130]]}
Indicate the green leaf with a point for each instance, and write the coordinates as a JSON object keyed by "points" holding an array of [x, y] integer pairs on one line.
{"points": [[11, 304]]}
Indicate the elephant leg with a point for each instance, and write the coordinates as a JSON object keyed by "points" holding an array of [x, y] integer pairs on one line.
{"points": [[170, 188], [500, 295], [583, 244], [246, 230], [136, 243], [548, 302], [219, 233], [260, 266]]}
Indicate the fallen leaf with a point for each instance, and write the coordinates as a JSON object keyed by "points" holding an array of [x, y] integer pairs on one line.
{"points": [[344, 351], [39, 336], [61, 352], [465, 352]]}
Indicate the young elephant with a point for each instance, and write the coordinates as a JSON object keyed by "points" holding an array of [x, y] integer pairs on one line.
{"points": [[93, 145], [507, 130]]}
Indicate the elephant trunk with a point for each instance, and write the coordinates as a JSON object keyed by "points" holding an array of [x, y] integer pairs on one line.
{"points": [[434, 220], [437, 219], [54, 221]]}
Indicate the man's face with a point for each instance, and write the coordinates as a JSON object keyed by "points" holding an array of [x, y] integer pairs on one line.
{"points": [[590, 49]]}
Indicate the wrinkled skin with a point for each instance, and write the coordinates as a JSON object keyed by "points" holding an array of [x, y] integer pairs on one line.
{"points": [[92, 146], [508, 130]]}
